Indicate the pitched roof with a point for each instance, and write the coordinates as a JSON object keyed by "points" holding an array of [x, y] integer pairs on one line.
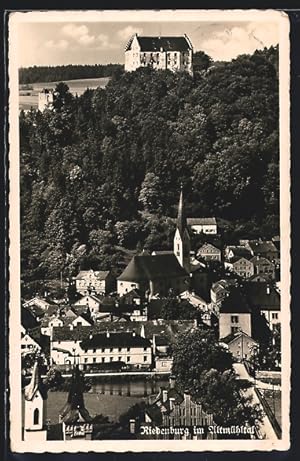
{"points": [[35, 385], [257, 260], [181, 223], [208, 246], [259, 247], [148, 267], [234, 336], [201, 221], [167, 328], [114, 340], [171, 43], [239, 250], [237, 259], [28, 320], [263, 295], [100, 275], [235, 303]]}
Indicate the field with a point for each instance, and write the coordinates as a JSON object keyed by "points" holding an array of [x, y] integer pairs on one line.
{"points": [[28, 94]]}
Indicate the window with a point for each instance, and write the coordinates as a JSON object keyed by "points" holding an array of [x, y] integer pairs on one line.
{"points": [[234, 329], [94, 359], [145, 358], [111, 349], [145, 348], [234, 319], [120, 348], [128, 349], [103, 350], [119, 358], [274, 315], [128, 359], [111, 359], [85, 359], [103, 359], [36, 416], [94, 350]]}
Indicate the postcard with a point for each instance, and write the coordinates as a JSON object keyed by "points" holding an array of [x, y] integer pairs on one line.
{"points": [[149, 229]]}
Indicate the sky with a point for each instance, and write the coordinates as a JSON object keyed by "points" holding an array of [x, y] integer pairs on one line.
{"points": [[62, 43]]}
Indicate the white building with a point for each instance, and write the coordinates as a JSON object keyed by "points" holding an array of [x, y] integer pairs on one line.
{"points": [[203, 225], [161, 53], [35, 409], [46, 99], [90, 281]]}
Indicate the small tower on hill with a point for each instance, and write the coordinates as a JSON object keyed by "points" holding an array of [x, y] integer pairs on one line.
{"points": [[75, 418], [182, 244], [35, 395]]}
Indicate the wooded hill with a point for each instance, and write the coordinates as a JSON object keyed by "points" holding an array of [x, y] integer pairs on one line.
{"points": [[103, 170], [38, 74]]}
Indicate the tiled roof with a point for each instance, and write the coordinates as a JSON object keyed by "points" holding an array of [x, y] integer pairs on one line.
{"points": [[201, 221], [208, 246], [262, 247], [235, 302], [167, 328], [100, 275], [179, 43], [257, 295], [114, 340], [257, 260], [145, 268], [234, 336], [239, 250], [28, 320]]}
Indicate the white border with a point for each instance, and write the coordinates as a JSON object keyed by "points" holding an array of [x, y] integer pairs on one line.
{"points": [[16, 18]]}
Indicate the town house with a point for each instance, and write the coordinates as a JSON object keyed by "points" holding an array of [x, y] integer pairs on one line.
{"points": [[97, 282], [262, 266], [203, 225], [209, 252], [235, 315], [241, 266]]}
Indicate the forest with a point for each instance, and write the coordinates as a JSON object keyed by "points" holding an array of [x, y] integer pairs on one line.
{"points": [[37, 74], [101, 173]]}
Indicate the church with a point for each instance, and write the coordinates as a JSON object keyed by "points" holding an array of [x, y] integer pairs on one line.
{"points": [[159, 273]]}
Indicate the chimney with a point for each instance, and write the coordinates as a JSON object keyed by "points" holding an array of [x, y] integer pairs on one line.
{"points": [[107, 334], [268, 289], [164, 395]]}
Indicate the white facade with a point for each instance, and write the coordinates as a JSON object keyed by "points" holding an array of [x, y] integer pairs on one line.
{"points": [[46, 99], [230, 323], [90, 302], [272, 317], [29, 345], [158, 59], [124, 287]]}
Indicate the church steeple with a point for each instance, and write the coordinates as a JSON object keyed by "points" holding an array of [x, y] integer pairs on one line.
{"points": [[35, 395], [181, 216], [182, 246], [76, 419]]}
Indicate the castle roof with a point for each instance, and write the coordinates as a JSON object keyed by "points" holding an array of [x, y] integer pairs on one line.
{"points": [[171, 43], [148, 267]]}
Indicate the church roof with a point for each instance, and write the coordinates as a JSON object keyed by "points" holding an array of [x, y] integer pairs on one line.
{"points": [[179, 43], [181, 216], [35, 385], [148, 267]]}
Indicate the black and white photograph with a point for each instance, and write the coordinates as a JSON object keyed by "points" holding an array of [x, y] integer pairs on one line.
{"points": [[149, 216]]}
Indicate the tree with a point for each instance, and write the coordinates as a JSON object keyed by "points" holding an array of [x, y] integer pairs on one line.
{"points": [[204, 368], [54, 379], [150, 195], [201, 61], [175, 309]]}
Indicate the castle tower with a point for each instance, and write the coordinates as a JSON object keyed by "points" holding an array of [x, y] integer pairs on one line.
{"points": [[75, 418], [182, 244], [35, 396]]}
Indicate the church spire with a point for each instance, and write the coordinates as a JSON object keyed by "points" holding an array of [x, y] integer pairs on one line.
{"points": [[35, 385], [181, 216]]}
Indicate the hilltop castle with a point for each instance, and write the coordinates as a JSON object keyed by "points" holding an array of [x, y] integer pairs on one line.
{"points": [[173, 53]]}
